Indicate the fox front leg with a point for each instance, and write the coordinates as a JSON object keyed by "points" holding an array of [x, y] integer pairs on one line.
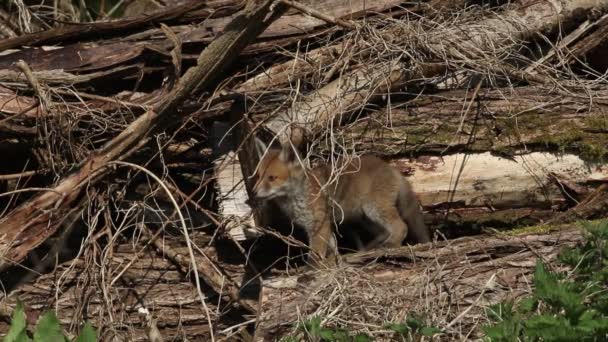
{"points": [[321, 240]]}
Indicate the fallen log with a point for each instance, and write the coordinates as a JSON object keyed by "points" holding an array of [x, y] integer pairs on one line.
{"points": [[446, 281], [351, 91], [518, 23], [594, 206], [484, 180], [504, 121]]}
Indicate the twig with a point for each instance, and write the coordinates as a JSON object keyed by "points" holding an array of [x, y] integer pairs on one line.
{"points": [[186, 236], [100, 28], [14, 116], [23, 174], [314, 13], [29, 75]]}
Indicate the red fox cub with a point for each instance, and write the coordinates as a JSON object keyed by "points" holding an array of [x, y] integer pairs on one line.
{"points": [[367, 190]]}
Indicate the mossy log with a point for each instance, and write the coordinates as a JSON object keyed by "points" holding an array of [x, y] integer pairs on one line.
{"points": [[504, 121]]}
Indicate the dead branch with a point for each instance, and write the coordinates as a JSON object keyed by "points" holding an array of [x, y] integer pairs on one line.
{"points": [[83, 31]]}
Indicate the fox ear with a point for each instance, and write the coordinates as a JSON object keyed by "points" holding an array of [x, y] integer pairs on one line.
{"points": [[287, 154], [260, 147], [298, 136]]}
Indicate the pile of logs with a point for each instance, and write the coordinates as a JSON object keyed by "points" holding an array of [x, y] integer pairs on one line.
{"points": [[128, 157]]}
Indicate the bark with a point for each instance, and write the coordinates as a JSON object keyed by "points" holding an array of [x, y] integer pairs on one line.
{"points": [[451, 281], [593, 206], [504, 121]]}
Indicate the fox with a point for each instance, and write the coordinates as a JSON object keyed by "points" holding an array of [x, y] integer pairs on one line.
{"points": [[366, 190]]}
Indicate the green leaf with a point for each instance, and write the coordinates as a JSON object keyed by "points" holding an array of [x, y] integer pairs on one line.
{"points": [[500, 312], [570, 256], [313, 326], [363, 337], [505, 331], [87, 334], [429, 331], [560, 295], [49, 329], [598, 229], [550, 328], [399, 328], [592, 324], [527, 305], [414, 322], [572, 309], [327, 335], [340, 335], [17, 331], [23, 337]]}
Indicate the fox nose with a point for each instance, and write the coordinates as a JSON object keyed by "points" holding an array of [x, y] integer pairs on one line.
{"points": [[258, 195], [255, 198], [255, 191], [257, 188]]}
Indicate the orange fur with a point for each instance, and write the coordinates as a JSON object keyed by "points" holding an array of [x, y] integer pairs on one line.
{"points": [[367, 188]]}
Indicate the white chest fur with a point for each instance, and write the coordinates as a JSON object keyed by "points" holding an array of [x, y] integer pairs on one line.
{"points": [[298, 208]]}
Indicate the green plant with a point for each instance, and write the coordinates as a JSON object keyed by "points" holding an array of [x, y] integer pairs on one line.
{"points": [[413, 329], [48, 329], [312, 330], [562, 307]]}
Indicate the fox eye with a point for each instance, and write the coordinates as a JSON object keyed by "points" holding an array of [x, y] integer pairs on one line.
{"points": [[272, 178]]}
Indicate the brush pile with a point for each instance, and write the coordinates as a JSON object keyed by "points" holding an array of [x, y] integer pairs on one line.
{"points": [[127, 157]]}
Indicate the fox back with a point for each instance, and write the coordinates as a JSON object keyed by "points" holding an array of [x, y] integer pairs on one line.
{"points": [[371, 191], [367, 190]]}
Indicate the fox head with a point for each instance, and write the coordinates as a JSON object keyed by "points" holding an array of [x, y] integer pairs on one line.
{"points": [[280, 170]]}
